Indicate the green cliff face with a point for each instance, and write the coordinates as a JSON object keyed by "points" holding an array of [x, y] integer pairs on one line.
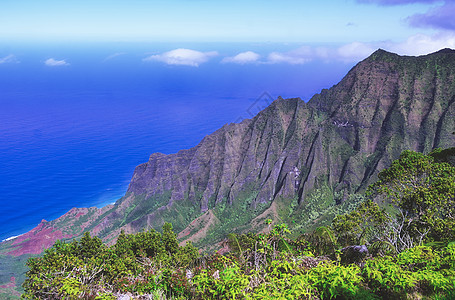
{"points": [[390, 103], [295, 162]]}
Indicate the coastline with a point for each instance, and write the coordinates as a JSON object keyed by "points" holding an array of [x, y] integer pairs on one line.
{"points": [[107, 200], [12, 238]]}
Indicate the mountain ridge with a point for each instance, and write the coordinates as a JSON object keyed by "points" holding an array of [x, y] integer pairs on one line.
{"points": [[271, 165]]}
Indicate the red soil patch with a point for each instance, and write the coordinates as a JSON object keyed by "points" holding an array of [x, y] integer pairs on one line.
{"points": [[11, 284], [36, 240], [9, 288], [202, 224]]}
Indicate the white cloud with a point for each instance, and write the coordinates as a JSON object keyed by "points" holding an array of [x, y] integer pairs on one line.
{"points": [[323, 53], [112, 56], [347, 53], [298, 56], [415, 45], [354, 51], [183, 57], [242, 58], [421, 44], [9, 59], [55, 63]]}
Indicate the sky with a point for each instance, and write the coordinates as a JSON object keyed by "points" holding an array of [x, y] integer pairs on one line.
{"points": [[323, 30]]}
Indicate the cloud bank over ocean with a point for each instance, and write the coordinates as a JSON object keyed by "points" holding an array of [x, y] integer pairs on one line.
{"points": [[419, 44]]}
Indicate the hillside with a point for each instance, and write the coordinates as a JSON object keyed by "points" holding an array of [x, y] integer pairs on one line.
{"points": [[368, 253], [294, 162]]}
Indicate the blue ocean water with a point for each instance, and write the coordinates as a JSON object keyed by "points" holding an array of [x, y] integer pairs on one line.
{"points": [[71, 136]]}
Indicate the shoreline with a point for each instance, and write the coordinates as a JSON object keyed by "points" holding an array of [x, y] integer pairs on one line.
{"points": [[99, 204], [12, 238]]}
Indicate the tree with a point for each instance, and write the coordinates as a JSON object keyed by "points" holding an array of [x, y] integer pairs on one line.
{"points": [[422, 189], [169, 239], [88, 246], [360, 226], [323, 240]]}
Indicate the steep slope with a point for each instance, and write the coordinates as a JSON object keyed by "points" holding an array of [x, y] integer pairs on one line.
{"points": [[289, 159], [388, 103]]}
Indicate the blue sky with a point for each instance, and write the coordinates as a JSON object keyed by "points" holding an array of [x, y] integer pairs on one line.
{"points": [[204, 20], [209, 21], [336, 29]]}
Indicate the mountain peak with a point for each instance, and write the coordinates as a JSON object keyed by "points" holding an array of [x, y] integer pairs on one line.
{"points": [[445, 51], [382, 52], [382, 55]]}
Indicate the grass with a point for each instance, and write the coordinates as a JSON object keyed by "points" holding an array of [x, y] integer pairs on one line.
{"points": [[13, 266]]}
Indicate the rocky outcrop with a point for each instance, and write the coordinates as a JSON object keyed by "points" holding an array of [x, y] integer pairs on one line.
{"points": [[390, 103], [262, 154], [339, 140], [354, 254]]}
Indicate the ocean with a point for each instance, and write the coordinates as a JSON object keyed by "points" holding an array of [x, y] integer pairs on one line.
{"points": [[71, 135]]}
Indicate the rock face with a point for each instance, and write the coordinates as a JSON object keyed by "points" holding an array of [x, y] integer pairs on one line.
{"points": [[264, 154], [245, 172], [354, 254], [389, 103]]}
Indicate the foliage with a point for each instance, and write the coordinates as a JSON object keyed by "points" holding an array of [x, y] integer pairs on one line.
{"points": [[12, 267], [421, 267], [323, 240], [411, 253], [260, 266], [361, 225], [88, 269], [417, 196], [424, 191]]}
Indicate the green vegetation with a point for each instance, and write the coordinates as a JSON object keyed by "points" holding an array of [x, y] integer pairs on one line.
{"points": [[259, 266], [397, 244], [12, 271], [422, 189], [89, 269]]}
